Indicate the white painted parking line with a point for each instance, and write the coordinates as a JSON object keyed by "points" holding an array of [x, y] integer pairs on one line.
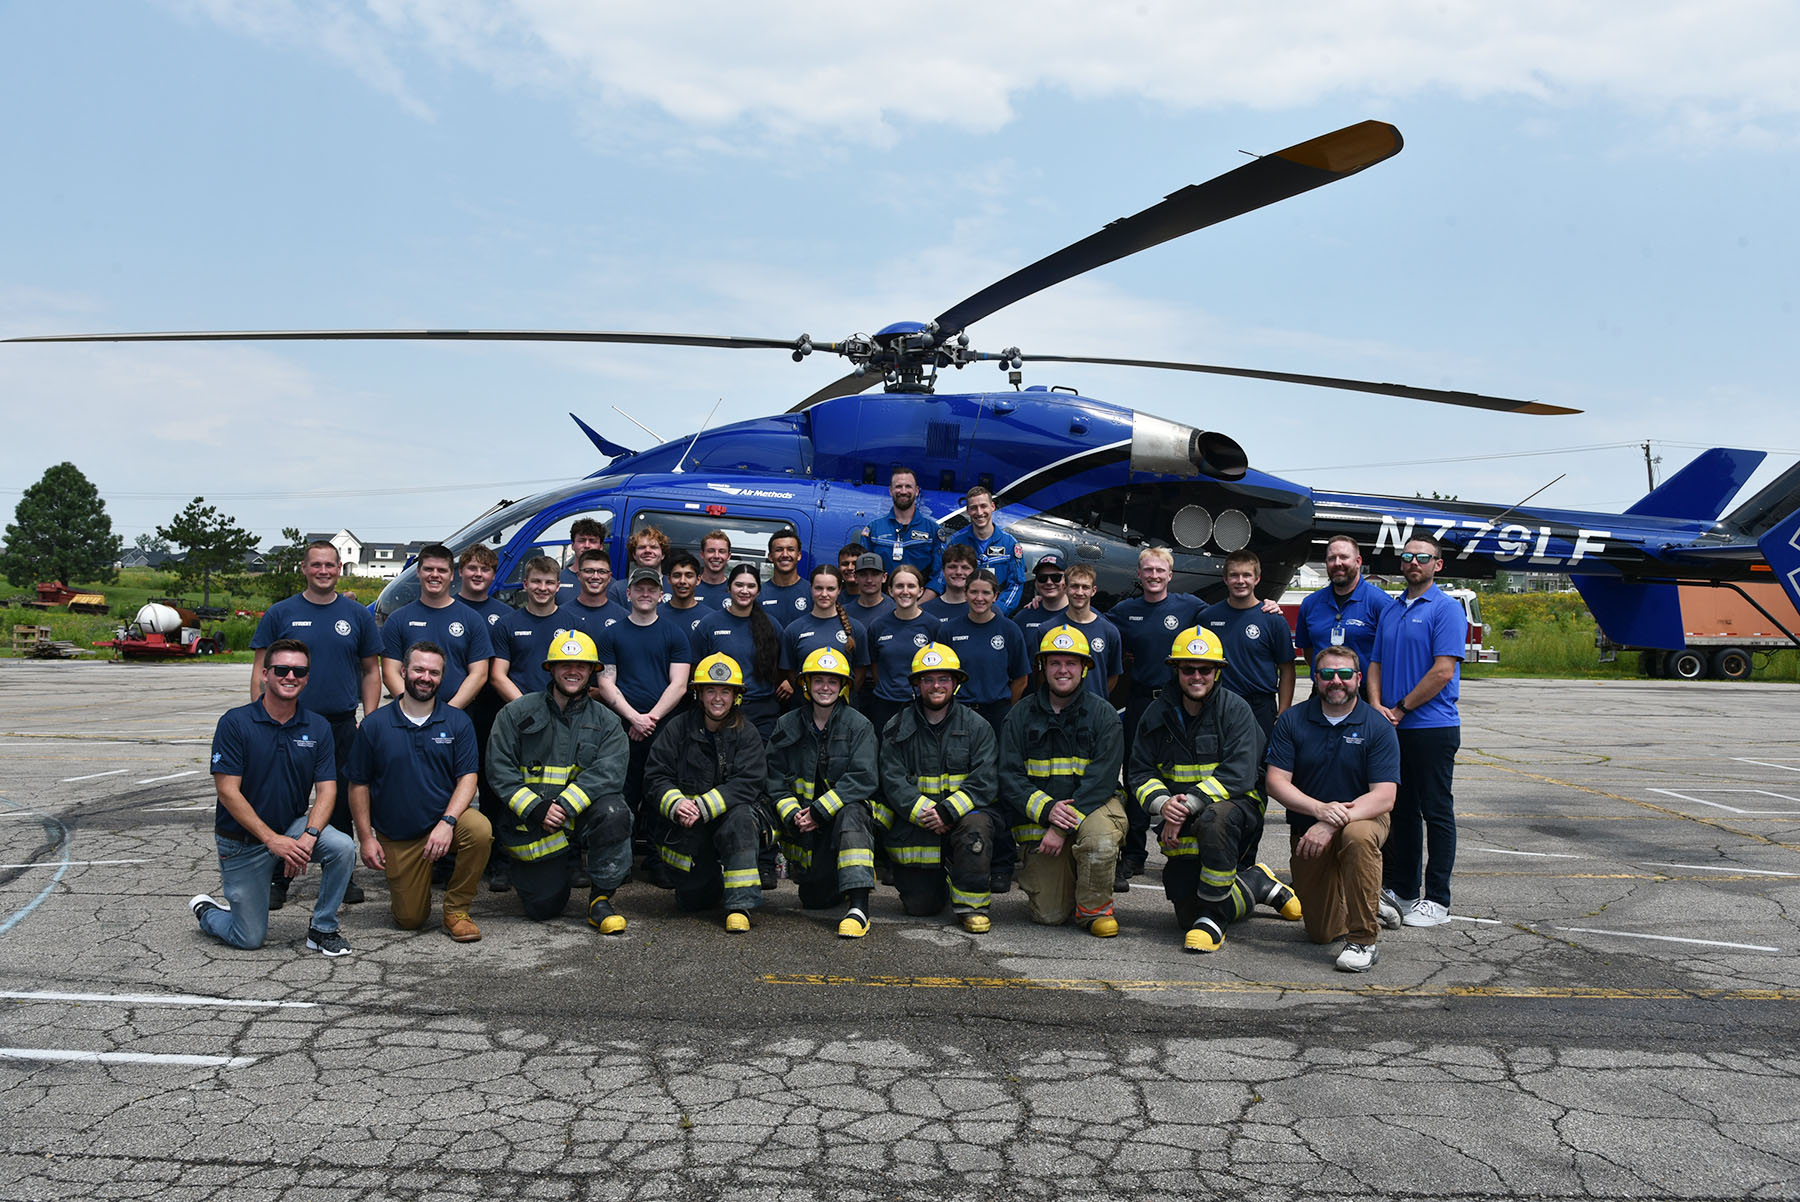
{"points": [[1730, 809], [176, 809], [74, 864], [1543, 855], [1745, 947], [67, 1054], [155, 999], [10, 743], [151, 780], [92, 776], [1491, 922], [1785, 766], [1718, 868]]}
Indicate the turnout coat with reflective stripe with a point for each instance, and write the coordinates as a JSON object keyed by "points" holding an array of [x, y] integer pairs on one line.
{"points": [[720, 772], [952, 769], [1215, 755], [1046, 757], [539, 753], [851, 772]]}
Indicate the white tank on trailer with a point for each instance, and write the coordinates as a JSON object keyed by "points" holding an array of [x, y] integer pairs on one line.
{"points": [[159, 619]]}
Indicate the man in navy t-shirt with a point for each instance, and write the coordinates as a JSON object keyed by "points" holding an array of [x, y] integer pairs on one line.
{"points": [[459, 631]]}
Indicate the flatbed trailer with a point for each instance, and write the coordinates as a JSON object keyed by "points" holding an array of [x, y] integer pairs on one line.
{"points": [[1730, 631]]}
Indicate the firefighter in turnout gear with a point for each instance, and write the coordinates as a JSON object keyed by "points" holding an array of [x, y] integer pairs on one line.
{"points": [[823, 776], [1061, 749], [1193, 769], [705, 775], [557, 760], [938, 788]]}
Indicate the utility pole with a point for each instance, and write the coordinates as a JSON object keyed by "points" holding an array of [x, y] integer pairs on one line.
{"points": [[1650, 465]]}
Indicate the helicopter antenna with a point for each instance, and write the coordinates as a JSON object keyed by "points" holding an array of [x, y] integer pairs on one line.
{"points": [[697, 434], [640, 425], [1504, 512]]}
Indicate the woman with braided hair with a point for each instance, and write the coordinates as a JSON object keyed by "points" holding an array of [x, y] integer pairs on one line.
{"points": [[826, 625]]}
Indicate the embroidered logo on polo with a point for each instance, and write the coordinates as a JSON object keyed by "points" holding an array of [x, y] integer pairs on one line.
{"points": [[342, 627], [443, 738], [800, 603], [1354, 738], [456, 630], [1253, 631], [921, 639], [842, 637], [305, 742], [1171, 622], [1098, 645], [998, 642]]}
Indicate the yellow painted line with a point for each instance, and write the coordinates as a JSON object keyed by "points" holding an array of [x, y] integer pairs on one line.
{"points": [[1241, 988], [1651, 806], [1510, 817], [1632, 876]]}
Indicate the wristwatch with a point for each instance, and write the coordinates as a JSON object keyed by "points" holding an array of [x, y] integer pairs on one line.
{"points": [[311, 830], [1400, 708], [450, 818]]}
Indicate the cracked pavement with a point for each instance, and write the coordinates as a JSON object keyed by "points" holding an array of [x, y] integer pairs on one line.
{"points": [[1610, 1016]]}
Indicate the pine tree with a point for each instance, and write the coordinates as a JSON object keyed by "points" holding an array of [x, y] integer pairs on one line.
{"points": [[60, 531], [214, 543]]}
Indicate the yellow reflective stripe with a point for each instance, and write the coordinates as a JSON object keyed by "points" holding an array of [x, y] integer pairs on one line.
{"points": [[917, 814], [1219, 878], [675, 859], [742, 878], [1190, 774], [521, 802], [787, 807], [1213, 789], [575, 798], [797, 854], [856, 857], [916, 855], [1037, 804], [552, 774], [960, 803], [974, 901], [831, 803], [1060, 765], [942, 783], [1027, 832], [670, 798], [884, 814], [712, 804], [1187, 845], [1149, 789], [803, 789], [548, 846]]}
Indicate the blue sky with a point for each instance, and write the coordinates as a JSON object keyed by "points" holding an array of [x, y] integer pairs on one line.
{"points": [[1594, 208]]}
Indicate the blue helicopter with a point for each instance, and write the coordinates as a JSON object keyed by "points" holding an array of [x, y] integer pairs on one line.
{"points": [[1095, 481]]}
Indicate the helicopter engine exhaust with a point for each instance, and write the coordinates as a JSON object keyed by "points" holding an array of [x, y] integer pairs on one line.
{"points": [[1158, 445]]}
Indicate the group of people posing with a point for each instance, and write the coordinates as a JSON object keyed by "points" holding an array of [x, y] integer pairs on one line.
{"points": [[911, 710]]}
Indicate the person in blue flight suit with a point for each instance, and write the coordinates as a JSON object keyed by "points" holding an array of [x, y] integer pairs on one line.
{"points": [[1347, 611], [438, 617], [905, 534], [995, 550]]}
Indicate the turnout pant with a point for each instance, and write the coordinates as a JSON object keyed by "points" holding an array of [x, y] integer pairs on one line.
{"points": [[601, 835], [1203, 876], [1339, 888], [1262, 705], [1078, 882], [409, 872], [715, 862], [1423, 800], [829, 861], [931, 869]]}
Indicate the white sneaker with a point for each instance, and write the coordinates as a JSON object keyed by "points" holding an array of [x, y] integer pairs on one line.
{"points": [[1427, 913], [1357, 957], [1387, 911]]}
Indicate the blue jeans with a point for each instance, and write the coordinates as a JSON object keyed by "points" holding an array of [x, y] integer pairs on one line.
{"points": [[1423, 800], [245, 869]]}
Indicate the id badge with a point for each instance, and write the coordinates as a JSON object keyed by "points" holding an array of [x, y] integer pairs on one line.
{"points": [[1337, 636]]}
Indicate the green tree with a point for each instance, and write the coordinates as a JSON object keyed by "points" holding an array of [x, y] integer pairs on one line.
{"points": [[214, 543], [60, 531], [282, 577], [150, 543]]}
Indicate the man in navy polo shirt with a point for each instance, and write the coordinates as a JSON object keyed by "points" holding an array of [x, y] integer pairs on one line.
{"points": [[412, 779], [905, 534], [436, 617], [1346, 612], [1333, 765], [345, 645], [1416, 675], [266, 758]]}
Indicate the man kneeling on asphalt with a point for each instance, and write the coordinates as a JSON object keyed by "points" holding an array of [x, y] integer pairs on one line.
{"points": [[557, 760], [1334, 764], [266, 757], [1204, 741], [938, 795], [412, 779]]}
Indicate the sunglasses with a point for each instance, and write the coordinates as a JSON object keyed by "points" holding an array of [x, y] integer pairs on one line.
{"points": [[289, 670], [1417, 556], [1335, 673], [1197, 669], [1050, 577]]}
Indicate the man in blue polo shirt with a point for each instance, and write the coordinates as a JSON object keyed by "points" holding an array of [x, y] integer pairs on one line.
{"points": [[995, 550], [437, 617], [266, 758], [412, 779], [1346, 612], [345, 645], [1333, 765], [1416, 674], [904, 534]]}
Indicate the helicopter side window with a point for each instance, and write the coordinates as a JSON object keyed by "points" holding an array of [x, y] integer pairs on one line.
{"points": [[749, 536], [552, 540]]}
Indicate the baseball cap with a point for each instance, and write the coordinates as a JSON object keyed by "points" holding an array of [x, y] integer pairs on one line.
{"points": [[869, 561], [1052, 562], [645, 575]]}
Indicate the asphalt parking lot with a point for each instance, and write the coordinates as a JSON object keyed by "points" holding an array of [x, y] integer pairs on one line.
{"points": [[1611, 1013]]}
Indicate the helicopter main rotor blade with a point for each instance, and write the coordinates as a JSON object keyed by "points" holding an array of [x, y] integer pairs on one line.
{"points": [[1468, 400], [846, 385], [1260, 182], [712, 340]]}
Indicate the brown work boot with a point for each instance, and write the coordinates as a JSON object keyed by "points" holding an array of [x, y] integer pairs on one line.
{"points": [[461, 928]]}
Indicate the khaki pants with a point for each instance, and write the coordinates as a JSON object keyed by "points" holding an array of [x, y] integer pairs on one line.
{"points": [[409, 872], [1339, 888], [1078, 882]]}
